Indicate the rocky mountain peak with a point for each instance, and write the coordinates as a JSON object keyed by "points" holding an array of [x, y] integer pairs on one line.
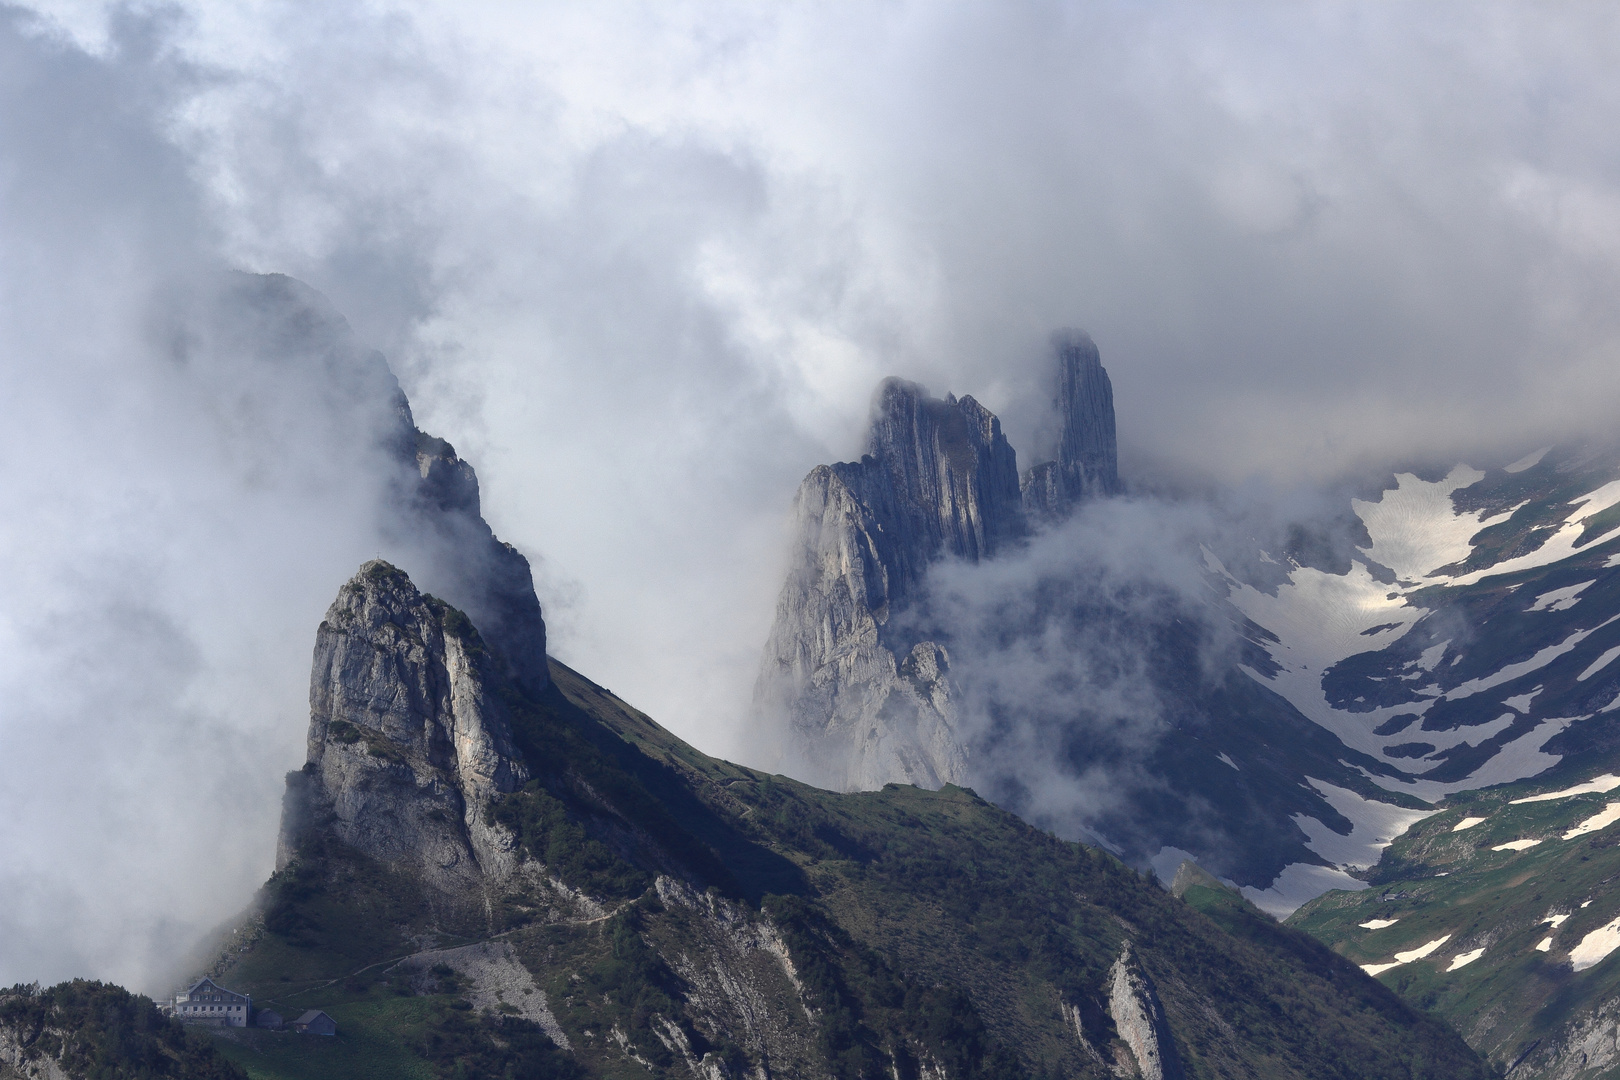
{"points": [[866, 696], [866, 703], [409, 738], [942, 473], [1087, 464]]}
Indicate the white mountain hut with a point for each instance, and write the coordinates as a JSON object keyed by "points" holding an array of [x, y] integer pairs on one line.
{"points": [[207, 1002]]}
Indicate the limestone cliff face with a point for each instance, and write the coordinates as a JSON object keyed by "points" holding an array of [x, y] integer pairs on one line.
{"points": [[409, 740], [1087, 465], [1138, 1016], [866, 704], [864, 693]]}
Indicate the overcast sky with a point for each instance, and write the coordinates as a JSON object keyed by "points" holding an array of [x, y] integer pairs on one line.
{"points": [[643, 264]]}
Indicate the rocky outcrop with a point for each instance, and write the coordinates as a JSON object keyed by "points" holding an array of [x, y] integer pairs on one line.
{"points": [[863, 691], [866, 702], [1087, 464], [409, 740], [491, 581], [1586, 1045], [1139, 1019], [740, 979]]}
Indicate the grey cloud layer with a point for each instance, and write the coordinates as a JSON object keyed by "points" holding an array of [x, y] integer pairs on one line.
{"points": [[643, 264]]}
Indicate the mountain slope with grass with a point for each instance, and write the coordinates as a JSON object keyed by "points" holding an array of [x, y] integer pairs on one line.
{"points": [[1501, 913], [632, 907]]}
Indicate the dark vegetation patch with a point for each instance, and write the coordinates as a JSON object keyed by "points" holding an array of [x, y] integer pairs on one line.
{"points": [[331, 910], [462, 1045], [1409, 750], [104, 1032], [1598, 525], [874, 1022], [1396, 724], [551, 835], [642, 807], [343, 732]]}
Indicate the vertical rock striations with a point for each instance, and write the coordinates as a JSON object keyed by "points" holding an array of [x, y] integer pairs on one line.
{"points": [[864, 692], [1139, 1018], [866, 701], [1087, 465], [409, 739]]}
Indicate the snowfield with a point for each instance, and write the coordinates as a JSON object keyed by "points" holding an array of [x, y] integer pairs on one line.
{"points": [[1321, 619]]}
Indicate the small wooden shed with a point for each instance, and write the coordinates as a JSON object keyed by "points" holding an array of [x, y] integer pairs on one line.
{"points": [[314, 1022]]}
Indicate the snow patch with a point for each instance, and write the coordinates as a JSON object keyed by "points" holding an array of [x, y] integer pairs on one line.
{"points": [[1373, 825], [1601, 784], [1522, 701], [1595, 946], [1521, 758], [1516, 845], [1228, 761], [1464, 959], [1529, 461], [1415, 528], [1599, 664], [1545, 945], [1431, 656], [1560, 599], [1378, 924], [1407, 957], [1601, 820], [1509, 672], [1556, 920], [1168, 861], [1467, 823]]}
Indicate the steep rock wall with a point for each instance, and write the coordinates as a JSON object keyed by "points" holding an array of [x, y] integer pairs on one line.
{"points": [[863, 692], [1087, 465], [1139, 1017], [409, 739], [864, 701]]}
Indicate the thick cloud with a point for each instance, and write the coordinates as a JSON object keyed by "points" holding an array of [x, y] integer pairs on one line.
{"points": [[643, 263]]}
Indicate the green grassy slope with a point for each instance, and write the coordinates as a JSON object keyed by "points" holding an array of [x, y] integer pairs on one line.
{"points": [[1510, 918], [923, 929]]}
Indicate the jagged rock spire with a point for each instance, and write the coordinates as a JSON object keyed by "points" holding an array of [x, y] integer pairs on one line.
{"points": [[1087, 464], [864, 705], [939, 476], [866, 696]]}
